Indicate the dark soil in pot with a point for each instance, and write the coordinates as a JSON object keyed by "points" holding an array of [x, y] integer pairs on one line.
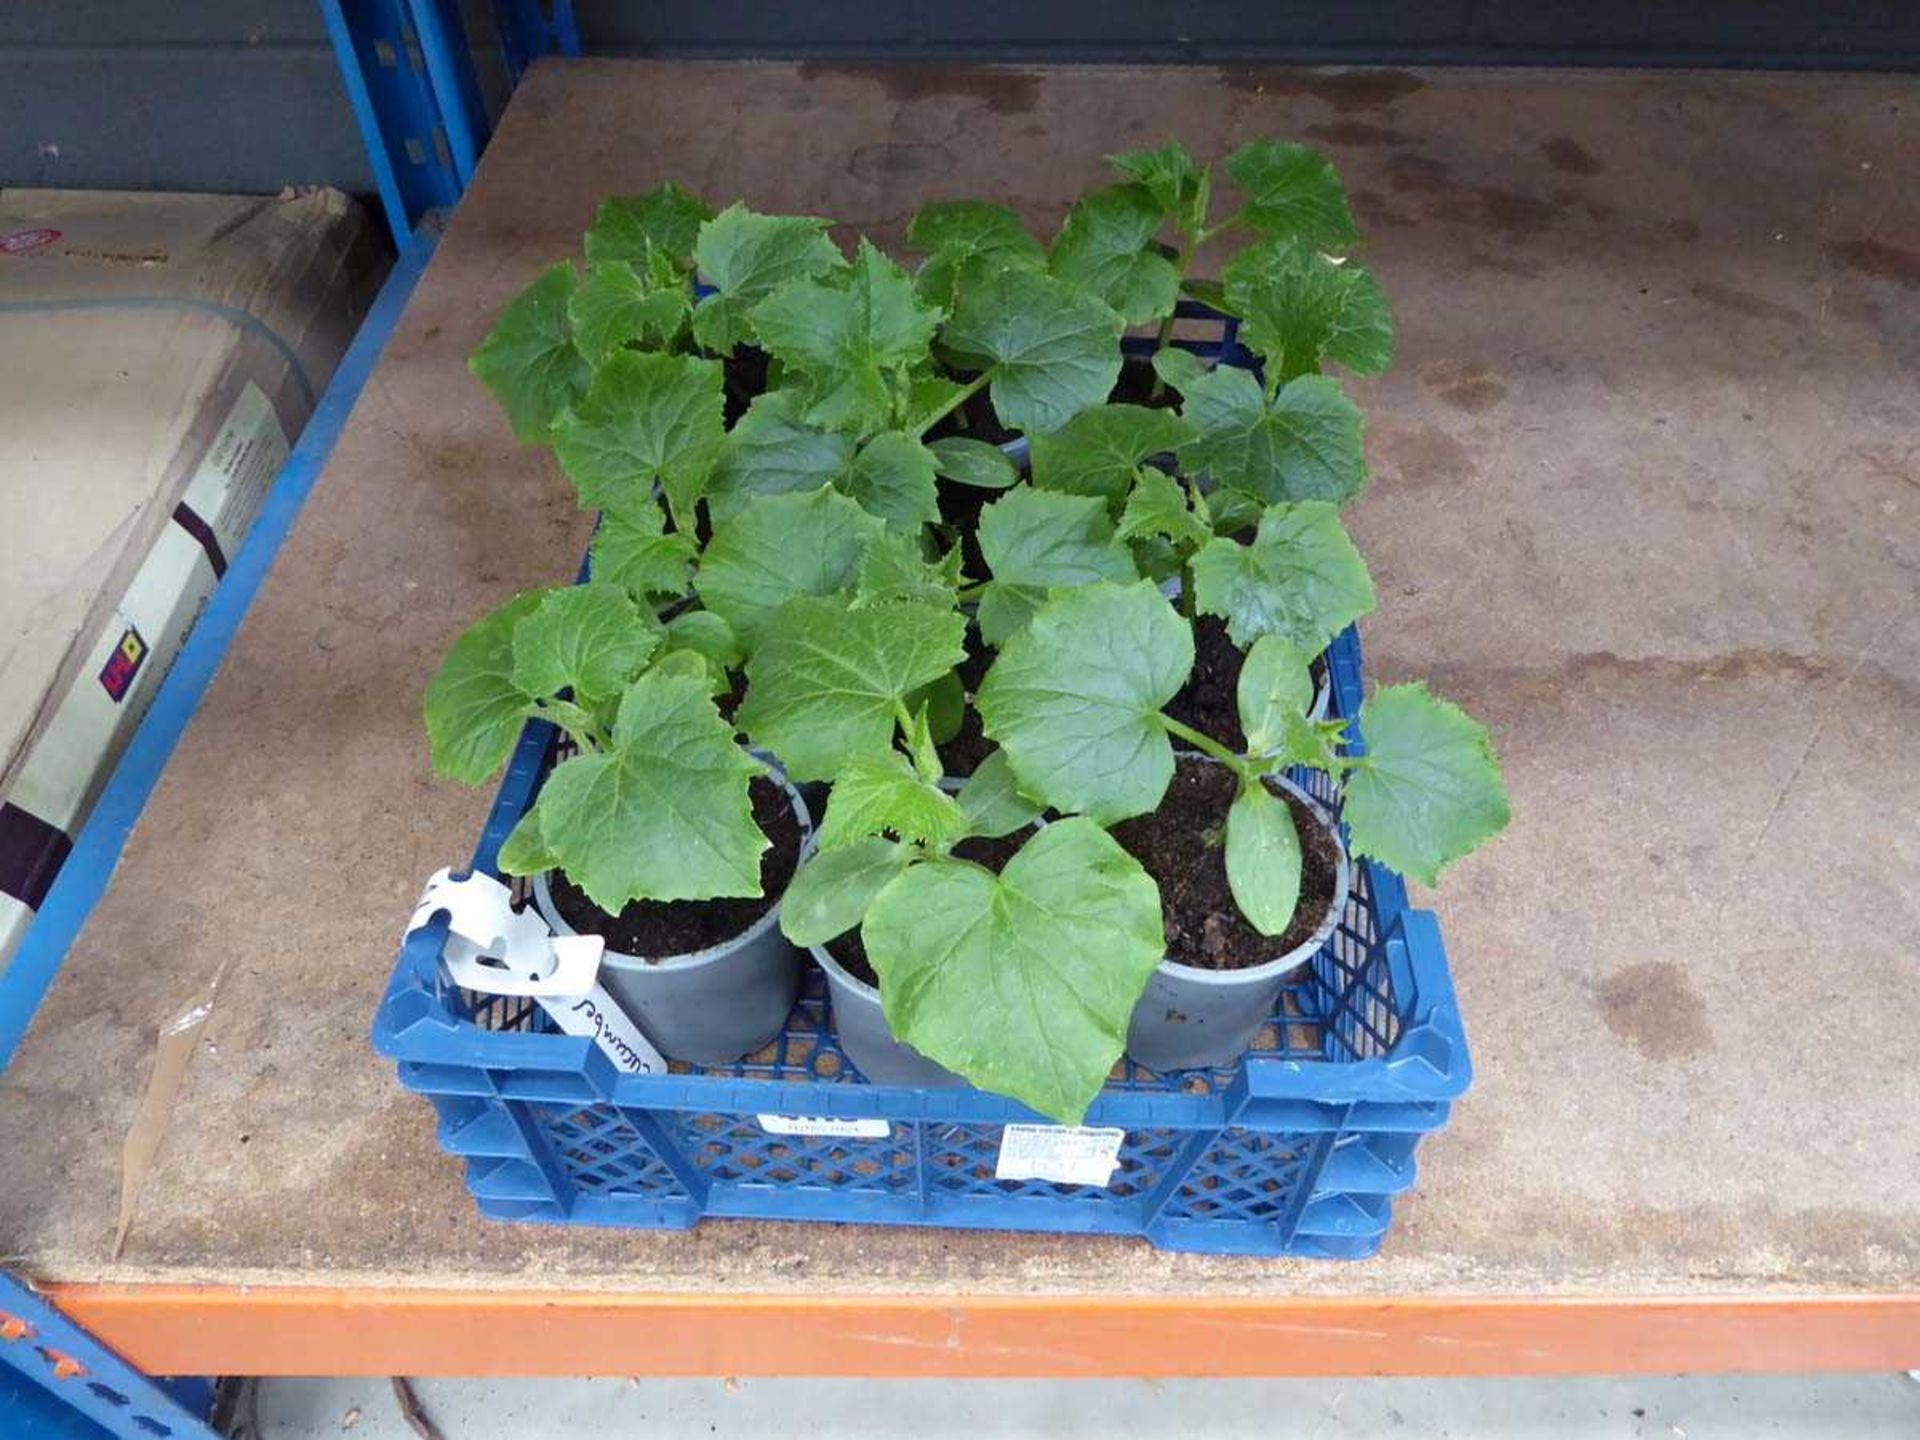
{"points": [[1209, 700], [1205, 929], [659, 928], [1135, 387], [849, 950]]}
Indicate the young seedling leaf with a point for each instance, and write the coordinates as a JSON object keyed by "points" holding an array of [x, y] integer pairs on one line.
{"points": [[992, 801], [647, 419], [881, 794], [524, 851], [474, 710], [1179, 368], [780, 547], [665, 220], [1275, 683], [831, 892], [1304, 444], [892, 477], [590, 639], [826, 681], [1074, 699], [1106, 248], [705, 634], [1022, 982], [635, 551], [894, 567], [1428, 790], [1159, 506], [944, 705], [1234, 512], [1053, 350], [953, 233], [1097, 451], [528, 359], [615, 306], [1300, 579], [1263, 858], [772, 451], [1289, 189], [1178, 186], [1299, 307], [853, 341], [973, 462], [746, 257], [662, 815], [1034, 540]]}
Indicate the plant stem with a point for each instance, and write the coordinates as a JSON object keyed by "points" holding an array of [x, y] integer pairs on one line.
{"points": [[972, 592], [1186, 591], [1206, 745], [972, 388], [1165, 337]]}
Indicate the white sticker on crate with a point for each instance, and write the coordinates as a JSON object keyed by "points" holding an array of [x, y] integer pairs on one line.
{"points": [[1064, 1154], [825, 1125]]}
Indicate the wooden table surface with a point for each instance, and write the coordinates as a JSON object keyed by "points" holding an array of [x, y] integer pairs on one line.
{"points": [[1646, 497]]}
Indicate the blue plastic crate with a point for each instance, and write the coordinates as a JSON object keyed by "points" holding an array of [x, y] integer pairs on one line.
{"points": [[1298, 1150]]}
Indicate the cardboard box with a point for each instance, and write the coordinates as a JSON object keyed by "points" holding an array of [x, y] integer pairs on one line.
{"points": [[159, 355]]}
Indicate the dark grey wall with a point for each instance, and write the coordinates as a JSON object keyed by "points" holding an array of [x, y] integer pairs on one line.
{"points": [[243, 94]]}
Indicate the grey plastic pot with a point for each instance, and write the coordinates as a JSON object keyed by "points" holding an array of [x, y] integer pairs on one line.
{"points": [[860, 1029], [1189, 1019], [712, 1006]]}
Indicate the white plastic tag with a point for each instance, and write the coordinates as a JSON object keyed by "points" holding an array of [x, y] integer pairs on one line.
{"points": [[1064, 1154], [495, 950], [865, 1129]]}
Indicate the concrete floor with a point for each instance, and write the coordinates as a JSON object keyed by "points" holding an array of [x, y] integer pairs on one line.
{"points": [[1660, 1408]]}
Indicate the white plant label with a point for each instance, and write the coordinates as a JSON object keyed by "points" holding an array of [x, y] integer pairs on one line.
{"points": [[495, 950], [874, 1129], [1063, 1154]]}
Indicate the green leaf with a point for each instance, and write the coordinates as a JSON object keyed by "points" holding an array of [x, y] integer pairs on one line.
{"points": [[944, 703], [1178, 186], [1208, 292], [1234, 511], [892, 477], [1035, 540], [1300, 307], [616, 306], [746, 257], [634, 551], [1275, 682], [474, 710], [1304, 444], [833, 888], [894, 567], [992, 800], [780, 547], [647, 419], [1263, 858], [1179, 368], [881, 794], [1106, 248], [666, 219], [1053, 350], [1291, 190], [1097, 451], [705, 634], [1074, 699], [1301, 579], [524, 851], [591, 639], [853, 341], [1428, 790], [528, 359], [662, 815], [1158, 506], [953, 233], [1023, 982], [826, 681], [929, 398], [771, 451], [973, 462]]}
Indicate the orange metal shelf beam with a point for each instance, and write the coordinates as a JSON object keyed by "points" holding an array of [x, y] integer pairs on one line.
{"points": [[231, 1330]]}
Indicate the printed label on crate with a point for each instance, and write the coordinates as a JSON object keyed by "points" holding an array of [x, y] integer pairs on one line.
{"points": [[826, 1125], [1064, 1154], [117, 675]]}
